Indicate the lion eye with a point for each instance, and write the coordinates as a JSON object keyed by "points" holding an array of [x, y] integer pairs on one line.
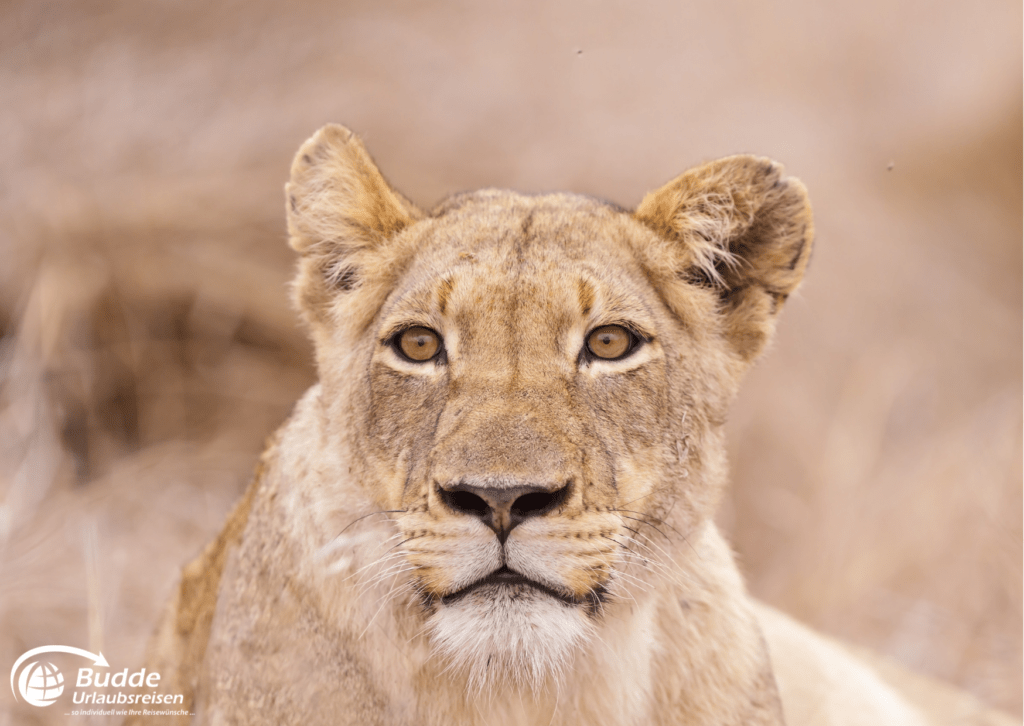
{"points": [[610, 342], [419, 344]]}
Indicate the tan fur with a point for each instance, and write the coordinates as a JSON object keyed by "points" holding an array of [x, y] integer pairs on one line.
{"points": [[338, 580]]}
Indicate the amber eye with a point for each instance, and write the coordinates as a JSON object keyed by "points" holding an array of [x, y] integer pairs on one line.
{"points": [[419, 344], [610, 342]]}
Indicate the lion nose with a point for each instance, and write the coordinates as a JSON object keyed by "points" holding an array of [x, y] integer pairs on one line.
{"points": [[502, 508]]}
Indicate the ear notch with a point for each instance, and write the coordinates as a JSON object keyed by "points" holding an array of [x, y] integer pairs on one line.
{"points": [[742, 229], [341, 215]]}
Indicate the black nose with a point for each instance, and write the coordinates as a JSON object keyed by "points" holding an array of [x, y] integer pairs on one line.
{"points": [[502, 508]]}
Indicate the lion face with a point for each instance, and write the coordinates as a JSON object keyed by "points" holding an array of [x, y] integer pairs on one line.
{"points": [[534, 386], [514, 449]]}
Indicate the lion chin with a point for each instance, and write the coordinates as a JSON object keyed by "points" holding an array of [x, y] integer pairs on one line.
{"points": [[508, 635]]}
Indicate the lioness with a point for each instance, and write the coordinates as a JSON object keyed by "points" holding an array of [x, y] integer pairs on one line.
{"points": [[496, 506]]}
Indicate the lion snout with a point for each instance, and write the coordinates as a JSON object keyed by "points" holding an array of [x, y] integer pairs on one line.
{"points": [[502, 508]]}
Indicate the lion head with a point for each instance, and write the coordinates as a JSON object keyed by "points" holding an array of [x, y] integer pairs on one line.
{"points": [[534, 387]]}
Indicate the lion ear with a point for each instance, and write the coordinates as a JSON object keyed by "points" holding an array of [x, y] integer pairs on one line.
{"points": [[341, 216], [741, 228]]}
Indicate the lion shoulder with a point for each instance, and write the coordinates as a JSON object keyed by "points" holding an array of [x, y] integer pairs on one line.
{"points": [[178, 646], [822, 681]]}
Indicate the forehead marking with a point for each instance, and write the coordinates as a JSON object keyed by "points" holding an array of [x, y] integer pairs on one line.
{"points": [[585, 294], [514, 324], [523, 241], [444, 291]]}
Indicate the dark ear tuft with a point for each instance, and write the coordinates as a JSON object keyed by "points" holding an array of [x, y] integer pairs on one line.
{"points": [[743, 228], [342, 278]]}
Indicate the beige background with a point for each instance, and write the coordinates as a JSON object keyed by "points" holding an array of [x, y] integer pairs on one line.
{"points": [[148, 347]]}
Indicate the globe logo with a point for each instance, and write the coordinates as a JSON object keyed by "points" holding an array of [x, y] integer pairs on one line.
{"points": [[41, 683]]}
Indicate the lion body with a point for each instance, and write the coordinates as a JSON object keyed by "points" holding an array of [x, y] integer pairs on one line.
{"points": [[515, 530]]}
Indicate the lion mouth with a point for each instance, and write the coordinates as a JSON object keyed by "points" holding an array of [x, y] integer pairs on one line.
{"points": [[504, 577]]}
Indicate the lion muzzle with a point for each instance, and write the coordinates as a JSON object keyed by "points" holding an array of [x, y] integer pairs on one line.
{"points": [[502, 508]]}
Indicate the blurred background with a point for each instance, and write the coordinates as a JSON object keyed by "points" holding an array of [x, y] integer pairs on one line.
{"points": [[147, 347]]}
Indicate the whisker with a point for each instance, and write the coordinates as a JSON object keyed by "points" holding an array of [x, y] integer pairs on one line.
{"points": [[660, 521], [642, 496], [380, 560], [649, 524], [655, 563], [359, 519], [645, 587], [393, 571], [649, 545], [386, 600], [642, 541], [642, 561], [664, 521]]}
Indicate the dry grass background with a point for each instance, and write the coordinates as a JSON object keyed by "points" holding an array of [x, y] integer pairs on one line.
{"points": [[148, 348]]}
